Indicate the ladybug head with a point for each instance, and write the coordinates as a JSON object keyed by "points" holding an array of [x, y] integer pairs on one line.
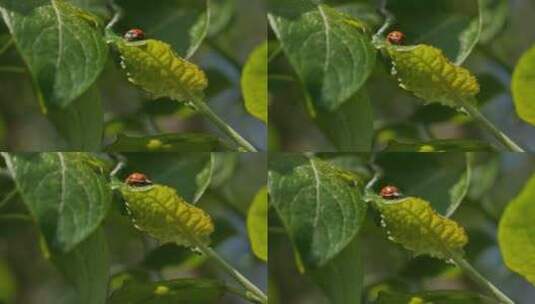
{"points": [[396, 37], [134, 35], [137, 180], [390, 192]]}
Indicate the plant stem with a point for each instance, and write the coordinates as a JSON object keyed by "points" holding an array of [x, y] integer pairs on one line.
{"points": [[255, 293], [12, 69], [487, 124], [8, 197], [480, 279], [202, 107], [6, 46], [15, 217]]}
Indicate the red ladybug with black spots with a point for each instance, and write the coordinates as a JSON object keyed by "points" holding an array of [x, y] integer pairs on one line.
{"points": [[390, 192], [134, 35], [138, 180]]}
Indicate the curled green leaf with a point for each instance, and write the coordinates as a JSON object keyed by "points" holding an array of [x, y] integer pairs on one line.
{"points": [[414, 224], [165, 215], [155, 67], [425, 71]]}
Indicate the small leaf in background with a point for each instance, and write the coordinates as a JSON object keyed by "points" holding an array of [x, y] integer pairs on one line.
{"points": [[435, 297], [341, 279], [439, 145], [182, 142], [516, 233], [161, 212], [523, 86], [350, 127], [426, 72], [87, 268], [469, 38], [221, 14], [254, 82], [156, 68], [320, 206], [62, 46], [82, 122], [65, 193], [330, 51], [189, 173], [257, 224], [182, 23], [178, 291], [459, 191], [495, 14], [412, 223]]}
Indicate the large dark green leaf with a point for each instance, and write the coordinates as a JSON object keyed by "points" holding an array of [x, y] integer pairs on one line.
{"points": [[182, 23], [516, 233], [320, 206], [330, 51], [445, 24], [435, 297], [189, 173], [61, 45], [82, 122], [350, 127], [66, 194], [86, 267], [342, 277], [179, 291], [184, 142]]}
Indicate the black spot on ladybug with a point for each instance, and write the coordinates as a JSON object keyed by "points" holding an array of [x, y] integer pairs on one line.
{"points": [[396, 37], [390, 192], [138, 180], [134, 35]]}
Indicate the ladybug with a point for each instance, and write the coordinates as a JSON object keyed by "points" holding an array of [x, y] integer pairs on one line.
{"points": [[396, 37], [134, 35], [390, 192], [138, 180]]}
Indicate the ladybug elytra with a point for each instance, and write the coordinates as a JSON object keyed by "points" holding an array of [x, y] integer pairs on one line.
{"points": [[138, 180], [396, 37], [134, 35], [390, 192]]}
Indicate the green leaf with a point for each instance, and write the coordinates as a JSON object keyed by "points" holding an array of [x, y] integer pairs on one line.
{"points": [[8, 285], [179, 291], [86, 267], [341, 279], [319, 205], [66, 193], [414, 224], [189, 173], [61, 45], [495, 15], [350, 127], [257, 224], [82, 122], [469, 38], [426, 72], [156, 68], [441, 23], [183, 142], [459, 191], [331, 52], [439, 145], [182, 23], [222, 12], [98, 7], [435, 297], [254, 82], [516, 233], [159, 211], [523, 86]]}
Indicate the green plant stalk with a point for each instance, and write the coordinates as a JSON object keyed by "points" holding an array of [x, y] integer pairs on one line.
{"points": [[487, 124], [256, 294], [480, 279], [203, 108]]}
